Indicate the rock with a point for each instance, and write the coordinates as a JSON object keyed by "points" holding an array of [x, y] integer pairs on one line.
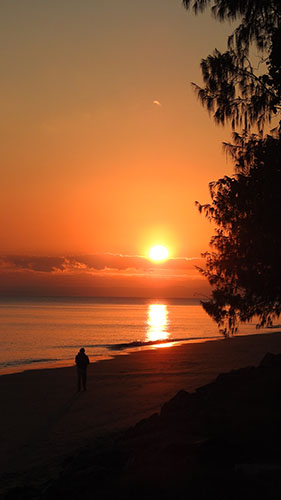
{"points": [[218, 451], [181, 401], [271, 360], [22, 493], [236, 376], [144, 426]]}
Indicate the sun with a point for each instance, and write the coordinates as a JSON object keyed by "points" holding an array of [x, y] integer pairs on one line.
{"points": [[158, 252]]}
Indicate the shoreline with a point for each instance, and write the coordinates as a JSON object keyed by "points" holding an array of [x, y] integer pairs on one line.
{"points": [[44, 419], [53, 365]]}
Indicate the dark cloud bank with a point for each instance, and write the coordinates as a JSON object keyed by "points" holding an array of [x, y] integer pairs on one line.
{"points": [[98, 262], [103, 275]]}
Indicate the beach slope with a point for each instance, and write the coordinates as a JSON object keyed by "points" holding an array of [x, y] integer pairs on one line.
{"points": [[44, 420]]}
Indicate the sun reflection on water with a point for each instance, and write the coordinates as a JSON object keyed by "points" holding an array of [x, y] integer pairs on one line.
{"points": [[157, 323]]}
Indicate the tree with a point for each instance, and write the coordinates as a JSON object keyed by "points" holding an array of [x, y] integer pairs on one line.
{"points": [[234, 89], [244, 267]]}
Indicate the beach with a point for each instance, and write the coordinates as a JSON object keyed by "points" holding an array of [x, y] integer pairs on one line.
{"points": [[44, 419]]}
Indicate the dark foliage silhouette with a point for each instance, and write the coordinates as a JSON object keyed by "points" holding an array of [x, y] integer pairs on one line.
{"points": [[237, 90], [244, 268]]}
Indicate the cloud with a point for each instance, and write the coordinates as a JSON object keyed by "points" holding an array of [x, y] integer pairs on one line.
{"points": [[104, 263], [100, 275], [34, 263]]}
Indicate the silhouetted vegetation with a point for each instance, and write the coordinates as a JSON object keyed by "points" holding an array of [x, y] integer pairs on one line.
{"points": [[236, 89], [244, 268]]}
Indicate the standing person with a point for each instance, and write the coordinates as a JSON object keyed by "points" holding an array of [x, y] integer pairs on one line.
{"points": [[82, 362]]}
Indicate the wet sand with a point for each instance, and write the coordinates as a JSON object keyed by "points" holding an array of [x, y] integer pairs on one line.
{"points": [[43, 418]]}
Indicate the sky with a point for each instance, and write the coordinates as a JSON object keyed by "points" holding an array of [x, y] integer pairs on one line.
{"points": [[104, 146]]}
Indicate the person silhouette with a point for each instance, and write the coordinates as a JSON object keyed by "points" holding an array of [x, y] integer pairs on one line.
{"points": [[82, 362]]}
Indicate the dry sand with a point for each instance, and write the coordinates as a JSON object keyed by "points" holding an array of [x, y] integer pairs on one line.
{"points": [[43, 418]]}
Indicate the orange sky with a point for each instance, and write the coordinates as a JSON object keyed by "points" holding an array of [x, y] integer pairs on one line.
{"points": [[104, 147]]}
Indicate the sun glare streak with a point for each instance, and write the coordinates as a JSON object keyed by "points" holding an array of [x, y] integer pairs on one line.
{"points": [[157, 322]]}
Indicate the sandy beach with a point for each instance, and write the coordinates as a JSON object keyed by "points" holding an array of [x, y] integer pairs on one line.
{"points": [[43, 418]]}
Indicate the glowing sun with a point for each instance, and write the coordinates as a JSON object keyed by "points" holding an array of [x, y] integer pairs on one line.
{"points": [[158, 252]]}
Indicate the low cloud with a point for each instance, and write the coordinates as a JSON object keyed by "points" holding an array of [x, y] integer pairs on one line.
{"points": [[33, 263], [100, 275], [95, 263]]}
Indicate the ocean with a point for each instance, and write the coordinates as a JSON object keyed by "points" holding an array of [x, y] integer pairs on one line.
{"points": [[38, 333]]}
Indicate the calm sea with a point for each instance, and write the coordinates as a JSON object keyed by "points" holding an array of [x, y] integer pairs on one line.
{"points": [[49, 332]]}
